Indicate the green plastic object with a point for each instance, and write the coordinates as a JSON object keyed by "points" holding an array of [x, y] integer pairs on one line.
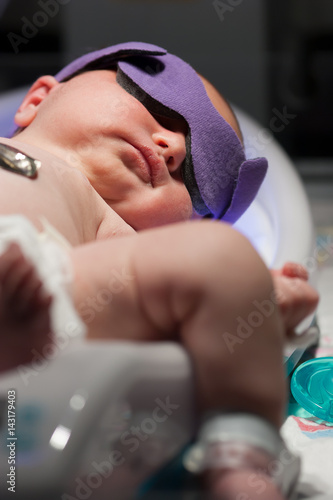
{"points": [[312, 387]]}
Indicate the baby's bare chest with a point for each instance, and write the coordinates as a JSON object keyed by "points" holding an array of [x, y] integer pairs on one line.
{"points": [[59, 194]]}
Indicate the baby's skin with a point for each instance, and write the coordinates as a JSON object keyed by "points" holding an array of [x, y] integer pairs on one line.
{"points": [[184, 281]]}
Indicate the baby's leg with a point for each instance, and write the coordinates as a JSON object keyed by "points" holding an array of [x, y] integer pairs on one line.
{"points": [[24, 309], [204, 285], [200, 283]]}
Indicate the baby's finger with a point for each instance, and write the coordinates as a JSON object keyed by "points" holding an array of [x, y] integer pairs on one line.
{"points": [[297, 301], [295, 270]]}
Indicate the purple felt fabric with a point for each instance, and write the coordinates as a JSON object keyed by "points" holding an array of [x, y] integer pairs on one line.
{"points": [[110, 54], [226, 182]]}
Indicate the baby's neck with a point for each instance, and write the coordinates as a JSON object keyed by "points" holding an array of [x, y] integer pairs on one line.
{"points": [[38, 140]]}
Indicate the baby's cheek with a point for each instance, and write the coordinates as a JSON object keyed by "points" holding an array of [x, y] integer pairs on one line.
{"points": [[185, 207], [171, 204], [185, 212]]}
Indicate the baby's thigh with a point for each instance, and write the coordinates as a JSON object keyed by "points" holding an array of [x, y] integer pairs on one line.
{"points": [[203, 282], [177, 264], [196, 283], [104, 288], [144, 285]]}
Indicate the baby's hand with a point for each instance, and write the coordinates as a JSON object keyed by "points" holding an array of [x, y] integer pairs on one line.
{"points": [[295, 297]]}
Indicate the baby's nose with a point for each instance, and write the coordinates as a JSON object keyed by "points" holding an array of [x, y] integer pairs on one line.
{"points": [[172, 147]]}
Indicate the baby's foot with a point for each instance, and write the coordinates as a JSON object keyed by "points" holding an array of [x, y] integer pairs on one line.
{"points": [[24, 309]]}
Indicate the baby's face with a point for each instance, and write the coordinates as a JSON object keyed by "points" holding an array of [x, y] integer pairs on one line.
{"points": [[131, 157]]}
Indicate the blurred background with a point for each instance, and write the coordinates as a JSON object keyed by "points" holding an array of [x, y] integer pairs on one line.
{"points": [[272, 59]]}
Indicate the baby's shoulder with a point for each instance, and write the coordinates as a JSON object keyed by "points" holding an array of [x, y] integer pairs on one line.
{"points": [[63, 174], [59, 191]]}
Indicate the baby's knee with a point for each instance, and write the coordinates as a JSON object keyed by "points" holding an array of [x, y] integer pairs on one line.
{"points": [[223, 240], [178, 266], [228, 255], [210, 257]]}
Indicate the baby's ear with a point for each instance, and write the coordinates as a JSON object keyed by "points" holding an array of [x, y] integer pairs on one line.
{"points": [[36, 94]]}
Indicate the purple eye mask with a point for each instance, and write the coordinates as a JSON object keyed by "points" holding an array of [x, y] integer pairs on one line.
{"points": [[221, 182]]}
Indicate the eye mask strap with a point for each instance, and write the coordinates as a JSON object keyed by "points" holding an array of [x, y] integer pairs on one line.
{"points": [[251, 174], [102, 59]]}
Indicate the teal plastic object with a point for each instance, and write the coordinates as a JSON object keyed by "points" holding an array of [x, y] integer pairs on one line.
{"points": [[312, 387]]}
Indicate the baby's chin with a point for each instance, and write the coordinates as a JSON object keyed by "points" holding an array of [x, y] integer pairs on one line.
{"points": [[156, 213], [140, 222]]}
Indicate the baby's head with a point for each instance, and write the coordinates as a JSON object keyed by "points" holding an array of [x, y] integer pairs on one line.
{"points": [[220, 182]]}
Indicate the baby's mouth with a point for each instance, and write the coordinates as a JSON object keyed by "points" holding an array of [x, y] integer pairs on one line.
{"points": [[149, 165]]}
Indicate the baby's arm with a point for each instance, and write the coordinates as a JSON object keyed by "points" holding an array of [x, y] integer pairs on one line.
{"points": [[295, 296]]}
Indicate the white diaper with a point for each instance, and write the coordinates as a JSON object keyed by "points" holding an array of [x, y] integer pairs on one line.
{"points": [[48, 252]]}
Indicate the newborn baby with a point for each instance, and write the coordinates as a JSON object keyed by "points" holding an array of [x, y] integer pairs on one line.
{"points": [[130, 139]]}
